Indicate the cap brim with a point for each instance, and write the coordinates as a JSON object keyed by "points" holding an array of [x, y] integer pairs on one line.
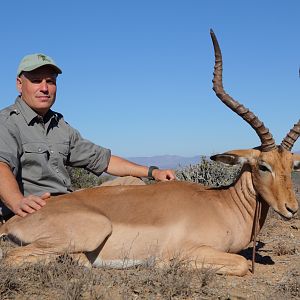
{"points": [[34, 67]]}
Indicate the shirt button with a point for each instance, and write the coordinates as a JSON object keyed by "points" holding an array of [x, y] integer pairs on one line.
{"points": [[57, 171], [51, 151], [40, 149]]}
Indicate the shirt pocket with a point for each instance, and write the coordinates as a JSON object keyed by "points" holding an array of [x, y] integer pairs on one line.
{"points": [[34, 160], [63, 150]]}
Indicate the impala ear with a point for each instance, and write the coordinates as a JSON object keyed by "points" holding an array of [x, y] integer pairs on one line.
{"points": [[229, 159], [236, 157], [296, 158]]}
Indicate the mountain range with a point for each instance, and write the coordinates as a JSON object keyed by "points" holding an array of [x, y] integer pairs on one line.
{"points": [[170, 161], [166, 161]]}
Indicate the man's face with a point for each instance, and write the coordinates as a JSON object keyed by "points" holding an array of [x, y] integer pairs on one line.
{"points": [[38, 88]]}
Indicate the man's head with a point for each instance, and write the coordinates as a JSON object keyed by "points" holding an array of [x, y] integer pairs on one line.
{"points": [[36, 81]]}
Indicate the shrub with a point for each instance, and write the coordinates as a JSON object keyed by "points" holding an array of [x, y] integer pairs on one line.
{"points": [[81, 178], [209, 173]]}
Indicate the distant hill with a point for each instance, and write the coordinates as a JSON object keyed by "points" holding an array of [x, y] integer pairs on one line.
{"points": [[169, 161], [166, 161]]}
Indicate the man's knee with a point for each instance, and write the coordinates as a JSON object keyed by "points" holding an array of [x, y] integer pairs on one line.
{"points": [[126, 180]]}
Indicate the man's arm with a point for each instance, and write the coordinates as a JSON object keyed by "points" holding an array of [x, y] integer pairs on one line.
{"points": [[121, 167], [97, 159], [12, 197]]}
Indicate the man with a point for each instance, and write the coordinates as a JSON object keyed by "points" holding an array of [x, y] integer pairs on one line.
{"points": [[36, 144]]}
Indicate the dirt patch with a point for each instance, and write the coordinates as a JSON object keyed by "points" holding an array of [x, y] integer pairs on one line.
{"points": [[277, 274]]}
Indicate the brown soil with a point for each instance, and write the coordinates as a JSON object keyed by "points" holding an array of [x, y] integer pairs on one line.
{"points": [[277, 274]]}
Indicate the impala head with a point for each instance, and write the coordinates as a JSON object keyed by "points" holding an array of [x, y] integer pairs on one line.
{"points": [[271, 165]]}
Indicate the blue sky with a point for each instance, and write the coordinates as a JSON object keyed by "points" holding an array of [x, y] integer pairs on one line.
{"points": [[137, 74]]}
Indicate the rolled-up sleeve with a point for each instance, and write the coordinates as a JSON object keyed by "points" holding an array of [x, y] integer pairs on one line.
{"points": [[8, 147], [88, 155]]}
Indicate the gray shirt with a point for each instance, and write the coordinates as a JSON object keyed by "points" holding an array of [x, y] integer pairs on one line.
{"points": [[39, 149]]}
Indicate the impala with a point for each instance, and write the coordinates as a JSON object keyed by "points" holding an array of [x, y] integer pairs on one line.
{"points": [[128, 225]]}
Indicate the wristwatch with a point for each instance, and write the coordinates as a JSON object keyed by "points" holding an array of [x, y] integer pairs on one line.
{"points": [[150, 170]]}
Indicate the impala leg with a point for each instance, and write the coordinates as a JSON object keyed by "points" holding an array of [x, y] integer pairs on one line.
{"points": [[33, 253], [224, 263], [209, 258], [73, 238], [126, 180]]}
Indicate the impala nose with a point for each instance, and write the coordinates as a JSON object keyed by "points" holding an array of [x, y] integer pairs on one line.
{"points": [[292, 210]]}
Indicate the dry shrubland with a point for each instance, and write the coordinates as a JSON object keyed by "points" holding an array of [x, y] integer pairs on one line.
{"points": [[277, 275]]}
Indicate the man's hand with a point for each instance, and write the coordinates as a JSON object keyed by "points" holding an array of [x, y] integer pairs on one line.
{"points": [[30, 204], [163, 175]]}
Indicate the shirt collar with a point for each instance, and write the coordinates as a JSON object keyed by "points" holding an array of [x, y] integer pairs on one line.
{"points": [[29, 114]]}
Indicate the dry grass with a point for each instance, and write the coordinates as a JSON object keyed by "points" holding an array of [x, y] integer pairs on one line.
{"points": [[65, 279], [280, 249]]}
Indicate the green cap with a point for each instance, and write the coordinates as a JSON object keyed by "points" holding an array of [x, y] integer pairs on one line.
{"points": [[33, 61]]}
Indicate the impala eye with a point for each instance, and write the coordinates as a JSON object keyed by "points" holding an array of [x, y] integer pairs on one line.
{"points": [[264, 168]]}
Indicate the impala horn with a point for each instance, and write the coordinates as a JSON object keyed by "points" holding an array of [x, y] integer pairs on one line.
{"points": [[291, 137], [266, 138]]}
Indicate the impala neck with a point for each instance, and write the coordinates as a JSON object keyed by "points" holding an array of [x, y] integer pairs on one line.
{"points": [[245, 198]]}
